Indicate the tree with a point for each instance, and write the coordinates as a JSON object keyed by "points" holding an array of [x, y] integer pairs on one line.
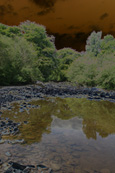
{"points": [[5, 60], [10, 31], [93, 43], [45, 47], [37, 34], [108, 45], [66, 56], [83, 71], [106, 72], [18, 61]]}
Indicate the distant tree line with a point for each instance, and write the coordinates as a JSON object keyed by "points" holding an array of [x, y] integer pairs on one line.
{"points": [[28, 54]]}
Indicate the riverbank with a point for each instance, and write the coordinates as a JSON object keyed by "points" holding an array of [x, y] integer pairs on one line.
{"points": [[28, 92], [17, 115]]}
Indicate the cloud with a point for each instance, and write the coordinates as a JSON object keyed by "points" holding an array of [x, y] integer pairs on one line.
{"points": [[103, 16], [15, 14], [112, 25], [45, 11], [2, 10], [59, 18], [25, 8], [46, 5], [72, 27], [94, 28], [5, 9]]}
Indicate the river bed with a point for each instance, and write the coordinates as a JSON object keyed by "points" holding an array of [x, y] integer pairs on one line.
{"points": [[68, 135]]}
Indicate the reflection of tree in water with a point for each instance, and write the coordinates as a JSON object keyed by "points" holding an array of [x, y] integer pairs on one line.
{"points": [[90, 128], [98, 117], [40, 119], [37, 126]]}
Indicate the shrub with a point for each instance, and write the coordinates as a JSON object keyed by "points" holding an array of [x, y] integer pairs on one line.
{"points": [[17, 61], [83, 71], [106, 75]]}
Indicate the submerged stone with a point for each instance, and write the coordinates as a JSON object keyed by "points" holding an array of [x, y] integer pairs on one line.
{"points": [[8, 154]]}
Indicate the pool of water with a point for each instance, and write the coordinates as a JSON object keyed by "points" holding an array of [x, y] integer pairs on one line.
{"points": [[70, 135]]}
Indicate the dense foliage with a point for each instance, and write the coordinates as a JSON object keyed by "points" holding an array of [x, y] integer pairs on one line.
{"points": [[28, 54], [18, 61], [97, 66]]}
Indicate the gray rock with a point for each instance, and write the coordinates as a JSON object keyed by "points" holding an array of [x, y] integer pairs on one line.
{"points": [[8, 154], [1, 162], [105, 170], [2, 141]]}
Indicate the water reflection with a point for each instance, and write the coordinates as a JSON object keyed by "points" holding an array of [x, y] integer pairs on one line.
{"points": [[73, 123], [93, 118], [68, 135]]}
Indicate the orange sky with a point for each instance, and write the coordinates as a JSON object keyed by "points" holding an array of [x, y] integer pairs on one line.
{"points": [[61, 16]]}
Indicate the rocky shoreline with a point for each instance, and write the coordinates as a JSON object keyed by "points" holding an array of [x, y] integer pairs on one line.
{"points": [[38, 91], [17, 93], [14, 167]]}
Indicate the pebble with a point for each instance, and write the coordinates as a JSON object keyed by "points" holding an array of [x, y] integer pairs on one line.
{"points": [[14, 167], [90, 171], [35, 91], [8, 127], [55, 166], [8, 154], [5, 166], [105, 171], [1, 162], [2, 141]]}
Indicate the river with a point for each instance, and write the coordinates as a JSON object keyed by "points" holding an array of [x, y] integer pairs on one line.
{"points": [[69, 135]]}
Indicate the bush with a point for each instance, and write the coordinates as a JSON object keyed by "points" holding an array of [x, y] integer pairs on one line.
{"points": [[65, 57], [28, 54], [92, 71], [106, 75], [83, 71], [17, 61]]}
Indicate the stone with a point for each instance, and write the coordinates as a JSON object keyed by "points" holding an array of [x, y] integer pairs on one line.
{"points": [[89, 171], [21, 110], [42, 167], [8, 154], [6, 166], [1, 162], [55, 166], [2, 141], [27, 170], [9, 170], [17, 166], [25, 122], [105, 171]]}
